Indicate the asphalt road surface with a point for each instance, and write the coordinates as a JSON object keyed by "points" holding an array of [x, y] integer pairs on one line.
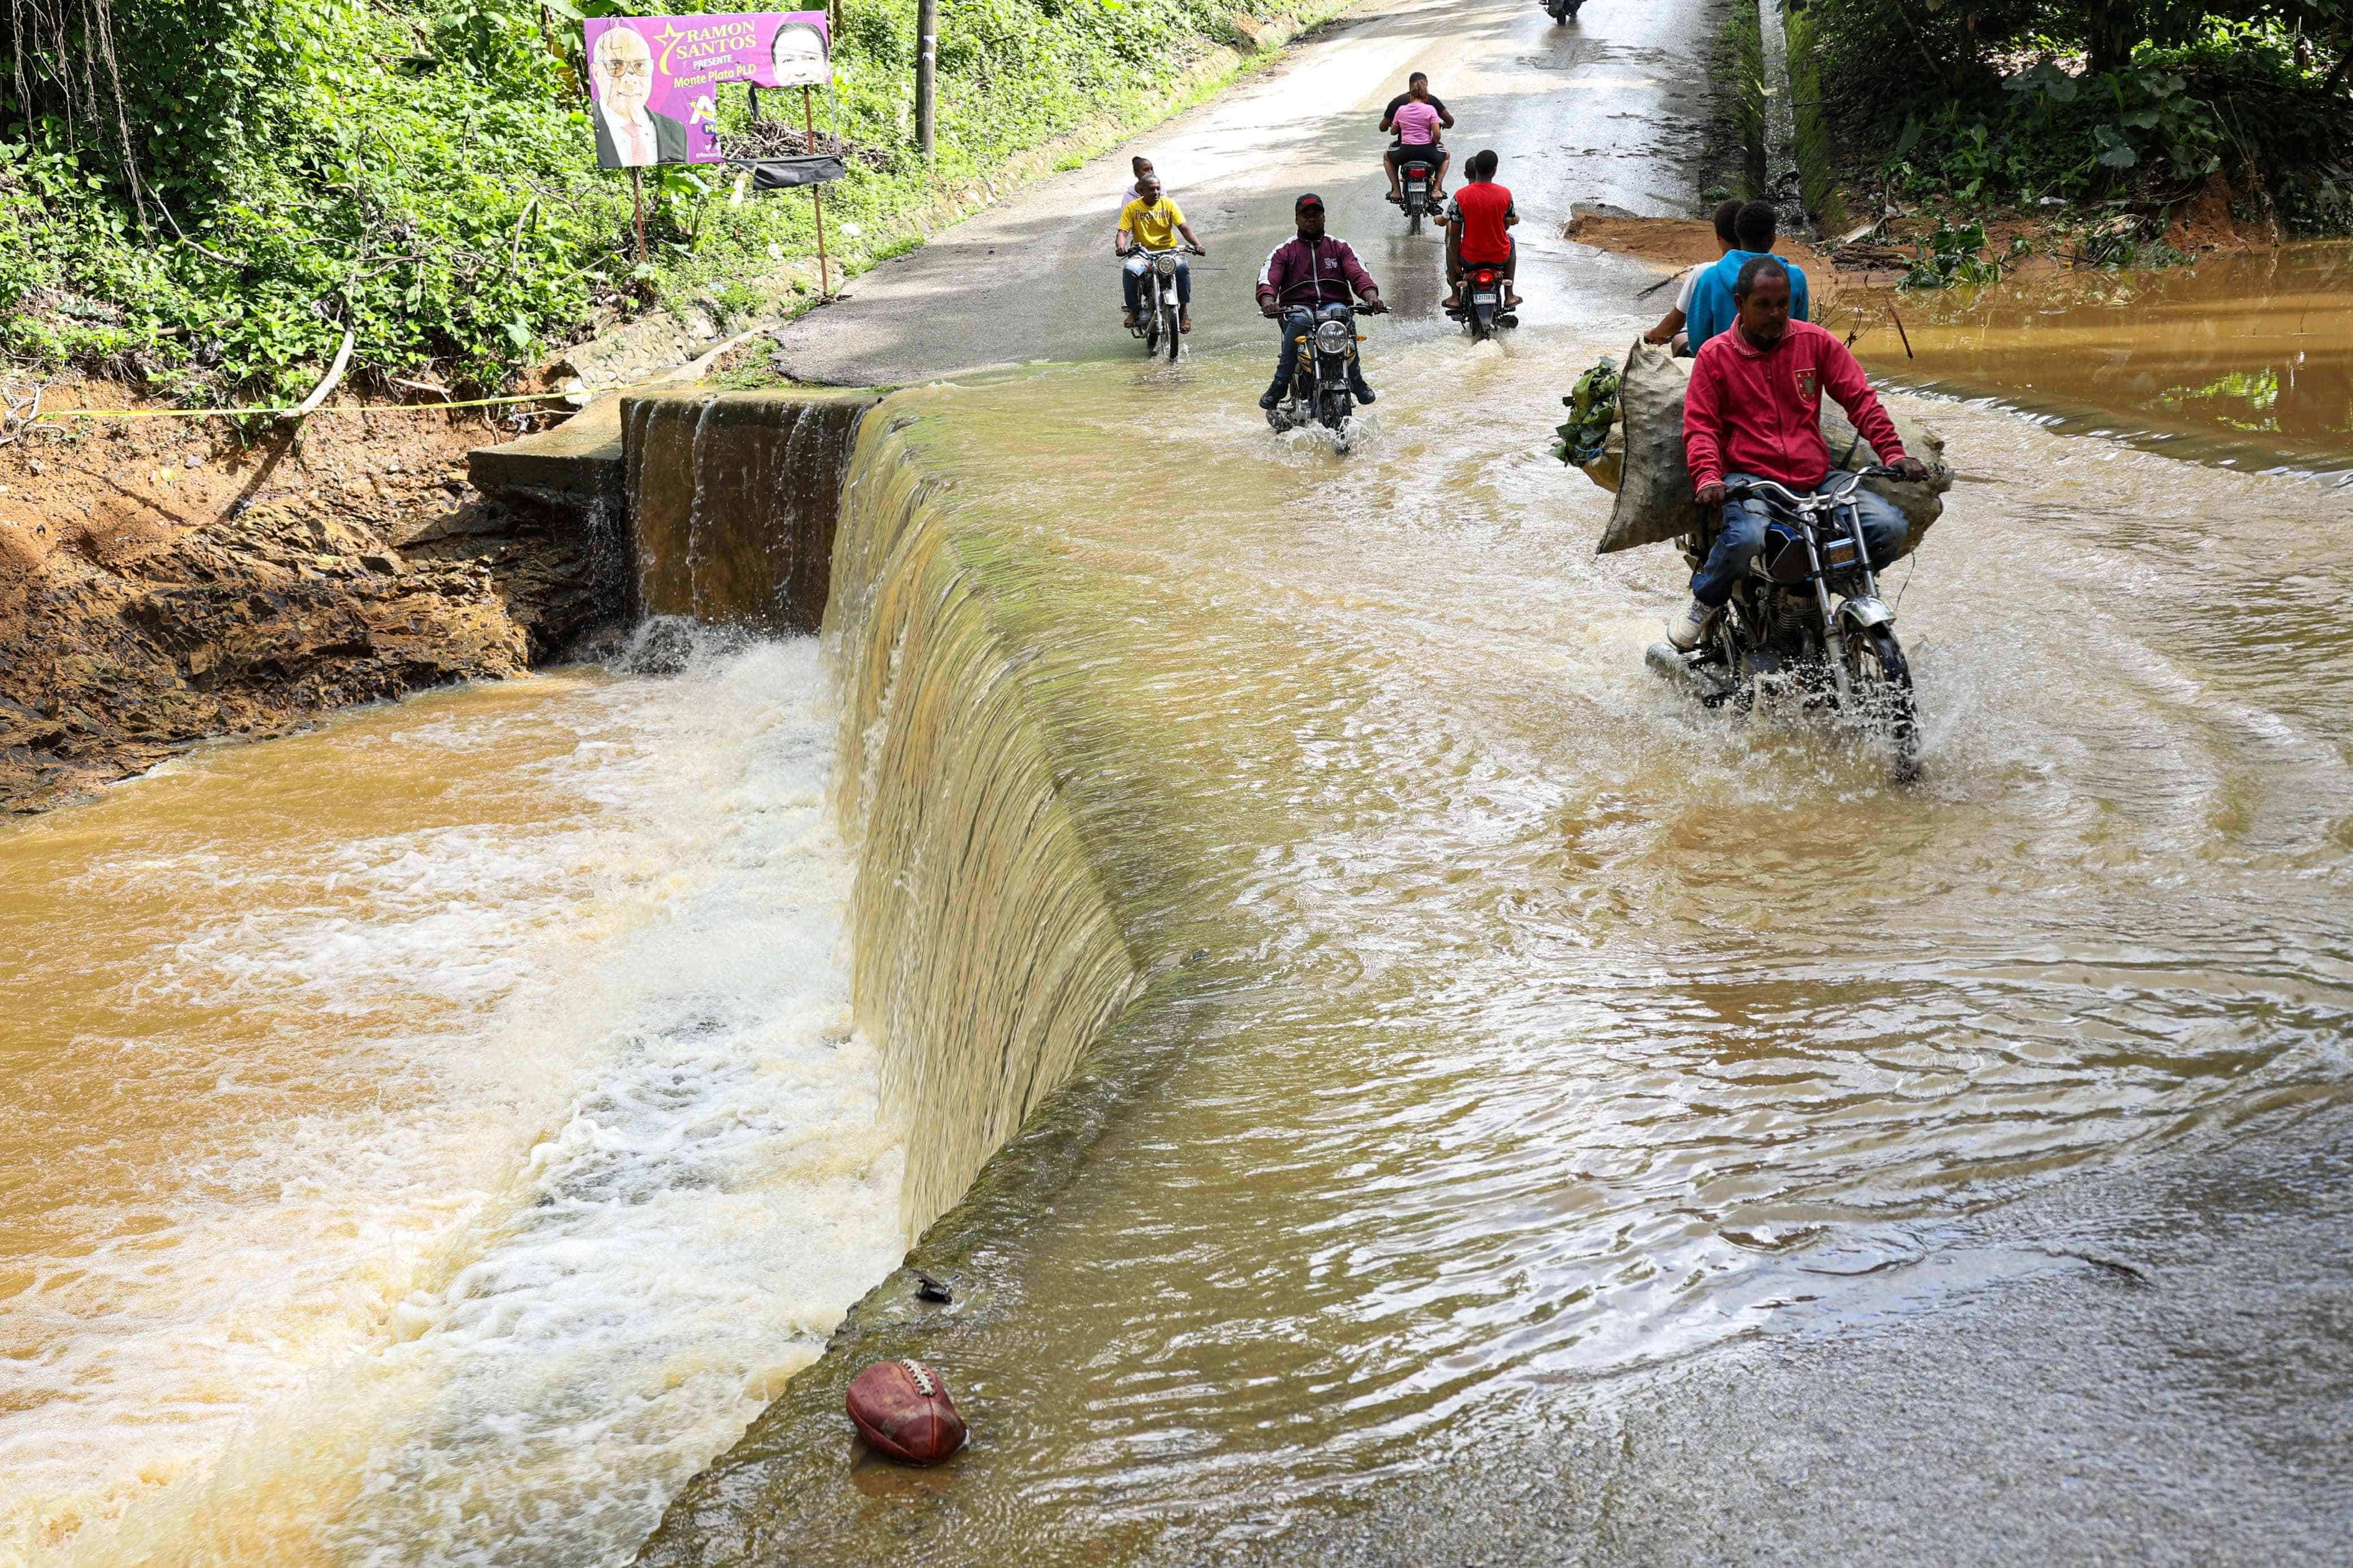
{"points": [[2153, 1363], [1606, 112]]}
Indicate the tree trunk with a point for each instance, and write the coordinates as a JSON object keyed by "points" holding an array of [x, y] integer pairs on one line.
{"points": [[2113, 27]]}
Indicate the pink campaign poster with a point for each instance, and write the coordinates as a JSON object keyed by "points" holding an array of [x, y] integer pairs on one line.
{"points": [[654, 81]]}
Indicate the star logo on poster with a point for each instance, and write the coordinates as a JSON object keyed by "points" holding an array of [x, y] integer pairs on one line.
{"points": [[667, 37], [704, 110]]}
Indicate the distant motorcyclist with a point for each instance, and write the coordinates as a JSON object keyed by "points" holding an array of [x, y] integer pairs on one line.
{"points": [[1307, 279], [1152, 222], [1415, 116], [1754, 411], [1477, 223]]}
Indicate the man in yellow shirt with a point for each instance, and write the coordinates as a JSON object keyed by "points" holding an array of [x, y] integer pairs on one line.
{"points": [[1152, 222]]}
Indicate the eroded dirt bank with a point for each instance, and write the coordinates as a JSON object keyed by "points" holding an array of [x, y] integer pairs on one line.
{"points": [[163, 582]]}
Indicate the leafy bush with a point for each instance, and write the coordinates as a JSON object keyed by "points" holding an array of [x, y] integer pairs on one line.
{"points": [[2248, 99], [422, 173]]}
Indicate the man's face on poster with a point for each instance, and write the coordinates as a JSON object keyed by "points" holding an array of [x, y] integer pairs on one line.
{"points": [[625, 72], [799, 55]]}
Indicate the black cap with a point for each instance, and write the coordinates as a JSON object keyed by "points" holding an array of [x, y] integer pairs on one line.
{"points": [[1310, 200]]}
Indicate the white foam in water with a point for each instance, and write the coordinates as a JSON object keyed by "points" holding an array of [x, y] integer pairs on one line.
{"points": [[652, 1178]]}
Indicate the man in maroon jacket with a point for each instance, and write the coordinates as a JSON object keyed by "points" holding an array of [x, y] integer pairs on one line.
{"points": [[1307, 279], [1754, 411]]}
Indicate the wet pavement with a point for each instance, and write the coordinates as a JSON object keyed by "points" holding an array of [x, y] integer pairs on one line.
{"points": [[1609, 110], [1621, 1141], [2179, 1390]]}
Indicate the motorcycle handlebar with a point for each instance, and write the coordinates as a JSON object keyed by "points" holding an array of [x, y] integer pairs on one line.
{"points": [[1767, 490]]}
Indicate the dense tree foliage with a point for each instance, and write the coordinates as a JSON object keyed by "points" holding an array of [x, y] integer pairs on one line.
{"points": [[2017, 99], [206, 194]]}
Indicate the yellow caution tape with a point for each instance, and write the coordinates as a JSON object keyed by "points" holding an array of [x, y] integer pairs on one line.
{"points": [[592, 392]]}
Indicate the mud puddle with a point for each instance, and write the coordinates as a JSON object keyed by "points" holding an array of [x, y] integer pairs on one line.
{"points": [[2243, 361]]}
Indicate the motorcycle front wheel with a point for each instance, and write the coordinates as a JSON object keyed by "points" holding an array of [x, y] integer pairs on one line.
{"points": [[1881, 680], [1337, 408], [1168, 327]]}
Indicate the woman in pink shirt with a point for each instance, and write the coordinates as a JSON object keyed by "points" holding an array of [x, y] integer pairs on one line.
{"points": [[1416, 117]]}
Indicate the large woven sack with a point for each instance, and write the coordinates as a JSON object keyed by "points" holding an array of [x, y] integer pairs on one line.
{"points": [[1654, 480]]}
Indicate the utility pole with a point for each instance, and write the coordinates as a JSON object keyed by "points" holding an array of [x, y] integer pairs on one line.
{"points": [[927, 58]]}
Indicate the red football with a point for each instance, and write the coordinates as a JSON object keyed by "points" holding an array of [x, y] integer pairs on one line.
{"points": [[903, 1408]]}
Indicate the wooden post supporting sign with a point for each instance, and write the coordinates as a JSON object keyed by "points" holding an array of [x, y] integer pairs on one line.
{"points": [[817, 201], [637, 199], [927, 56]]}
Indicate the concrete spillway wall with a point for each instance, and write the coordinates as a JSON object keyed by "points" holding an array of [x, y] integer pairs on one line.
{"points": [[733, 498], [997, 899], [985, 954]]}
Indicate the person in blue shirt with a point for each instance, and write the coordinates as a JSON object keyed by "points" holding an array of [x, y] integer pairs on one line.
{"points": [[1712, 308]]}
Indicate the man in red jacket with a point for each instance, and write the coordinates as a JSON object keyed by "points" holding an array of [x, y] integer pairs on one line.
{"points": [[1754, 411], [1308, 278]]}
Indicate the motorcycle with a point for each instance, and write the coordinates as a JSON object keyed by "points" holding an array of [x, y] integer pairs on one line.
{"points": [[1563, 11], [1160, 310], [1483, 310], [1320, 394], [1418, 182], [1782, 626]]}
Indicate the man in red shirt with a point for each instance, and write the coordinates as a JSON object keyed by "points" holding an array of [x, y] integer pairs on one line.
{"points": [[1476, 220], [1754, 411]]}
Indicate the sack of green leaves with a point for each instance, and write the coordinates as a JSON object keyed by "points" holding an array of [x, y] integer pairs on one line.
{"points": [[1654, 492], [1585, 441]]}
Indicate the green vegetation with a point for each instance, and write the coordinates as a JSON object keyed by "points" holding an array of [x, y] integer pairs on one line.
{"points": [[202, 196], [2136, 102], [1740, 63], [1820, 188]]}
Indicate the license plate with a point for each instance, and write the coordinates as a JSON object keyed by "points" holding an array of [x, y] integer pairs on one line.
{"points": [[1484, 298]]}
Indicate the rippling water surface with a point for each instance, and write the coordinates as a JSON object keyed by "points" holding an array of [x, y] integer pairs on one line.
{"points": [[1559, 1026], [2237, 359], [430, 1139]]}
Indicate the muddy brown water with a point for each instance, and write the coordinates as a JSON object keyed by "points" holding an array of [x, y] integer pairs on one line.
{"points": [[2243, 361], [433, 1139], [1557, 1027]]}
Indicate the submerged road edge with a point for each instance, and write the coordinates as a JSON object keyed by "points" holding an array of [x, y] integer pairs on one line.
{"points": [[998, 954]]}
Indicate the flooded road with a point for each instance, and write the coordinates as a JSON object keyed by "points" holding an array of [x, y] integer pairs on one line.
{"points": [[399, 1120], [1553, 1123], [2243, 361], [1555, 1031]]}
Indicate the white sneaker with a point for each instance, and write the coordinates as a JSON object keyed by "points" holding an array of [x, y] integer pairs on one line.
{"points": [[1686, 630]]}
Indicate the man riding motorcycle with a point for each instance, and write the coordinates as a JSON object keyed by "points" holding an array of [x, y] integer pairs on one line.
{"points": [[1417, 135], [1755, 408], [1477, 221], [1307, 279], [1152, 222]]}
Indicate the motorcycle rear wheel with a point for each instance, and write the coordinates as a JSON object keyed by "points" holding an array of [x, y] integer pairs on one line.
{"points": [[1881, 680]]}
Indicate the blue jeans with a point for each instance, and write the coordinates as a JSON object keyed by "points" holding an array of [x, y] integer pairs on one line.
{"points": [[1131, 279], [1742, 535], [1299, 319]]}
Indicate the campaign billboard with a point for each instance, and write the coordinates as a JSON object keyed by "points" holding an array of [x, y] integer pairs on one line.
{"points": [[653, 81]]}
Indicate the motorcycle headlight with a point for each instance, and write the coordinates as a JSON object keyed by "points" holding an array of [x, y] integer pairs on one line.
{"points": [[1332, 337], [1165, 264]]}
